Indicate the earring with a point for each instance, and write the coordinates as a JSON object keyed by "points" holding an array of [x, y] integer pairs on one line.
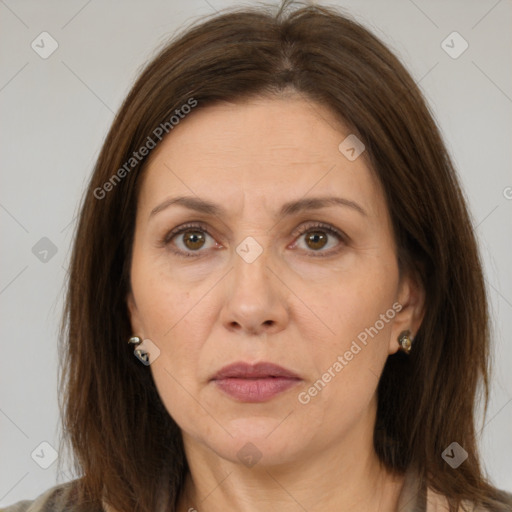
{"points": [[405, 341], [140, 354]]}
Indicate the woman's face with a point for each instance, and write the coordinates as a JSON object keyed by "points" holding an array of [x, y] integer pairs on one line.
{"points": [[287, 257]]}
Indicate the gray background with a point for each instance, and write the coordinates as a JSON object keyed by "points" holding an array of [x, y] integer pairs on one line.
{"points": [[55, 113]]}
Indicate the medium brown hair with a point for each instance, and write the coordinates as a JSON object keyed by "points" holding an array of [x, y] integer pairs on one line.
{"points": [[125, 443]]}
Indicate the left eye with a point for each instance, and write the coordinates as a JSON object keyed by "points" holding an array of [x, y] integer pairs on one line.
{"points": [[317, 238]]}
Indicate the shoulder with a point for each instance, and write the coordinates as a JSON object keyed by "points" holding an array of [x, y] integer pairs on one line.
{"points": [[438, 503], [417, 496], [60, 498]]}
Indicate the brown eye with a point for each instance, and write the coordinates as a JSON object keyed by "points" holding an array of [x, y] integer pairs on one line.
{"points": [[316, 239], [319, 239], [193, 239], [189, 240]]}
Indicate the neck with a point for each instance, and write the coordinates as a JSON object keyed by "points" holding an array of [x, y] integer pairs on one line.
{"points": [[341, 480]]}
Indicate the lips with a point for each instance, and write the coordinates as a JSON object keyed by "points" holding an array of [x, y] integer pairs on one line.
{"points": [[254, 383], [254, 371]]}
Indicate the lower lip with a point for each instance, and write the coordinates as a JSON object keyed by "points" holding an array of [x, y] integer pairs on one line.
{"points": [[255, 390]]}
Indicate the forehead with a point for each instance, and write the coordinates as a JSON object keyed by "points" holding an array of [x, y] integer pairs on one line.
{"points": [[273, 149]]}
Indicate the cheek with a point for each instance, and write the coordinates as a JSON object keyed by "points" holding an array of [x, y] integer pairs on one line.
{"points": [[349, 362], [175, 371], [340, 395], [162, 300], [167, 311], [353, 299]]}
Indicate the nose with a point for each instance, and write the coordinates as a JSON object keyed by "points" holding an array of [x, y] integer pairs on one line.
{"points": [[255, 297]]}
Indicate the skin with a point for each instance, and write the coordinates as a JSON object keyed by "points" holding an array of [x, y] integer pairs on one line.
{"points": [[289, 306]]}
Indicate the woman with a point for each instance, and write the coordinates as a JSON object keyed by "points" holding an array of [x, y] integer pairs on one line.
{"points": [[276, 300]]}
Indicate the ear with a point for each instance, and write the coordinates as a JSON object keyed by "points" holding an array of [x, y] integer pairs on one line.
{"points": [[411, 301], [135, 317]]}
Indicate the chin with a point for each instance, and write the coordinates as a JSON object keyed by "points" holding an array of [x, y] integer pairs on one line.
{"points": [[261, 441]]}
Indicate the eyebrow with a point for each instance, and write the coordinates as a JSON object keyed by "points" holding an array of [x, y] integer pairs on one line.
{"points": [[290, 208]]}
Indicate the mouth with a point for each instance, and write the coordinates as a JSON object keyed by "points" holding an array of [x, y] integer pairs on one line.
{"points": [[254, 383]]}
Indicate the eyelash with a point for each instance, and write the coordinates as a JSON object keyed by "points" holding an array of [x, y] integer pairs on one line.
{"points": [[166, 240]]}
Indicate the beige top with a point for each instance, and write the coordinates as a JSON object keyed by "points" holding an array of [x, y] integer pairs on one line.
{"points": [[413, 498]]}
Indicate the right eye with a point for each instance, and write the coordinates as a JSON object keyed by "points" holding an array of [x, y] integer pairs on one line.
{"points": [[190, 239]]}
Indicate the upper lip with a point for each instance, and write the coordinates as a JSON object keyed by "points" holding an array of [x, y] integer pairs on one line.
{"points": [[244, 370]]}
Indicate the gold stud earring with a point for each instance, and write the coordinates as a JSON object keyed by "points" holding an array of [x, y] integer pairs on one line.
{"points": [[405, 341]]}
